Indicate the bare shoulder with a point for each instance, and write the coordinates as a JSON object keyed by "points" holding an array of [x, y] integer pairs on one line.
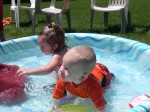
{"points": [[60, 55], [57, 57]]}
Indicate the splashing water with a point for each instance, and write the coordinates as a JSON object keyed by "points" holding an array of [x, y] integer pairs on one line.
{"points": [[130, 82]]}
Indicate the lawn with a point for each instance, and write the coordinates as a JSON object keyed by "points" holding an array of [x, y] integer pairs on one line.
{"points": [[80, 20]]}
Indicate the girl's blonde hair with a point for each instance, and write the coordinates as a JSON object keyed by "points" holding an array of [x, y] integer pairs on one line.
{"points": [[53, 34]]}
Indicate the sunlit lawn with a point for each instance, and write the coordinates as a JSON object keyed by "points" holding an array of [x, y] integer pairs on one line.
{"points": [[80, 20]]}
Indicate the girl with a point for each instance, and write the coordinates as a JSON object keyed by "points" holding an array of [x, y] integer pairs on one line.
{"points": [[52, 41]]}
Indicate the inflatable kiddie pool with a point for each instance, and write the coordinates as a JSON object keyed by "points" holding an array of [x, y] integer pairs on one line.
{"points": [[129, 60]]}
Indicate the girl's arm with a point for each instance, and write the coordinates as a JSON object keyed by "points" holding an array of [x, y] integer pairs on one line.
{"points": [[46, 69]]}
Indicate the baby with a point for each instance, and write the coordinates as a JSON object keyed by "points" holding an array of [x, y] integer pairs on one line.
{"points": [[81, 76]]}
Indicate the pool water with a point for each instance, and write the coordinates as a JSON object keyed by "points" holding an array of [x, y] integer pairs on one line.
{"points": [[131, 81]]}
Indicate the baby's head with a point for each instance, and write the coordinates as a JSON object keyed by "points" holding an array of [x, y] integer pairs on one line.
{"points": [[54, 38], [77, 64]]}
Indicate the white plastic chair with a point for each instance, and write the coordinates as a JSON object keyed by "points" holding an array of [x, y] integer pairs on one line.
{"points": [[114, 5], [52, 11], [28, 10], [16, 6], [14, 9]]}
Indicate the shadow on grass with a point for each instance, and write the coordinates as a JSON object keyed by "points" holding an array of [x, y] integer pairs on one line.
{"points": [[29, 23], [109, 29], [114, 29], [141, 28]]}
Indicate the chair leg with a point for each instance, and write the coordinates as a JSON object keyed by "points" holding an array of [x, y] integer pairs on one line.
{"points": [[33, 22], [29, 15], [48, 19], [91, 19], [2, 36], [59, 19], [17, 18], [106, 19], [123, 21], [68, 19], [11, 15], [129, 19]]}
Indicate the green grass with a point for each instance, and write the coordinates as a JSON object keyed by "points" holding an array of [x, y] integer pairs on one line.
{"points": [[80, 21]]}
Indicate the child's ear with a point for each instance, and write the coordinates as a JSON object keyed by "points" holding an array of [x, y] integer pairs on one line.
{"points": [[84, 76], [55, 46]]}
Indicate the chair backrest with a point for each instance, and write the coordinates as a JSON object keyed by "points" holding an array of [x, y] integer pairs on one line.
{"points": [[66, 4], [53, 2], [13, 3], [118, 2], [31, 1], [38, 4], [93, 3], [113, 3]]}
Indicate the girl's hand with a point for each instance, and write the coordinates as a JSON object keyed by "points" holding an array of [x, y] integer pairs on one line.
{"points": [[22, 71]]}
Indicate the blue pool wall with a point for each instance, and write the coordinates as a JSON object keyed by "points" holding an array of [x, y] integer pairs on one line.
{"points": [[133, 50]]}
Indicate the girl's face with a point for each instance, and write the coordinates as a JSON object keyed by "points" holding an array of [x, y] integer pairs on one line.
{"points": [[45, 47]]}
